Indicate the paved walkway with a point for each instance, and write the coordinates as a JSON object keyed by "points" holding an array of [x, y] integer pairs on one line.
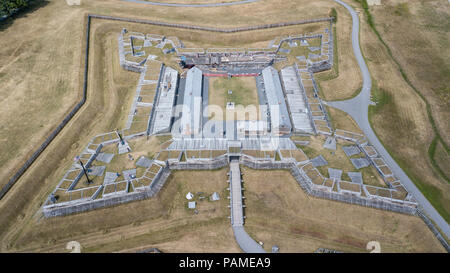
{"points": [[358, 107], [246, 243], [192, 5]]}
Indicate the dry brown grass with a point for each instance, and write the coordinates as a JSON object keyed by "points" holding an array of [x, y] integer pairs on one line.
{"points": [[163, 222], [37, 85], [254, 13], [339, 160], [418, 34], [39, 62], [194, 1], [206, 237], [401, 121], [110, 88], [52, 71], [150, 147], [341, 120], [279, 212], [442, 159], [104, 109], [342, 85]]}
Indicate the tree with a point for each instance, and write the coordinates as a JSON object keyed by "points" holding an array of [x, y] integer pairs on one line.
{"points": [[8, 7], [333, 13]]}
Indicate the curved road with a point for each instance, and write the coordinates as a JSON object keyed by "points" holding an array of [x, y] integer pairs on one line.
{"points": [[192, 5], [247, 244], [358, 108]]}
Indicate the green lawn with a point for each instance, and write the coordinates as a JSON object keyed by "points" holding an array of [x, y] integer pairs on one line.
{"points": [[244, 92]]}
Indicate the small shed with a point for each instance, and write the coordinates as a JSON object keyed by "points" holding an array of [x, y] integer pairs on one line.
{"points": [[191, 205]]}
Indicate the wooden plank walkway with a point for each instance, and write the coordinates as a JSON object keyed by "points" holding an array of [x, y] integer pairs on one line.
{"points": [[237, 216]]}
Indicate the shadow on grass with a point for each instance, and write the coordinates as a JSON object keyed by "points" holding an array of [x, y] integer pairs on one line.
{"points": [[32, 7]]}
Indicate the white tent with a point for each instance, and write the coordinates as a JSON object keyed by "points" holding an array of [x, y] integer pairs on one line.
{"points": [[189, 196], [215, 196]]}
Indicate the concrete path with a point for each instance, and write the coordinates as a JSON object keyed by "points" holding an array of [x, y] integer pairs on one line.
{"points": [[358, 107], [192, 5], [247, 244]]}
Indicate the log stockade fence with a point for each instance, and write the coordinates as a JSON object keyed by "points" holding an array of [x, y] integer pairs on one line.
{"points": [[213, 29], [61, 125], [77, 107]]}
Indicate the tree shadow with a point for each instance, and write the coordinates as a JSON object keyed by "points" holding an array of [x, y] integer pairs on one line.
{"points": [[32, 7]]}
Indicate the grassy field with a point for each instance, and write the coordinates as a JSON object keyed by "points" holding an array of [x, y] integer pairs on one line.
{"points": [[417, 33], [109, 91], [341, 120], [400, 118], [164, 222], [344, 81], [278, 212], [339, 160], [40, 73], [300, 223], [36, 83], [295, 51], [194, 1], [29, 32], [35, 73], [442, 159], [243, 94], [104, 108], [139, 147], [427, 74], [300, 50]]}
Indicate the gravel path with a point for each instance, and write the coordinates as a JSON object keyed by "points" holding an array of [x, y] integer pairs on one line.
{"points": [[358, 107]]}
